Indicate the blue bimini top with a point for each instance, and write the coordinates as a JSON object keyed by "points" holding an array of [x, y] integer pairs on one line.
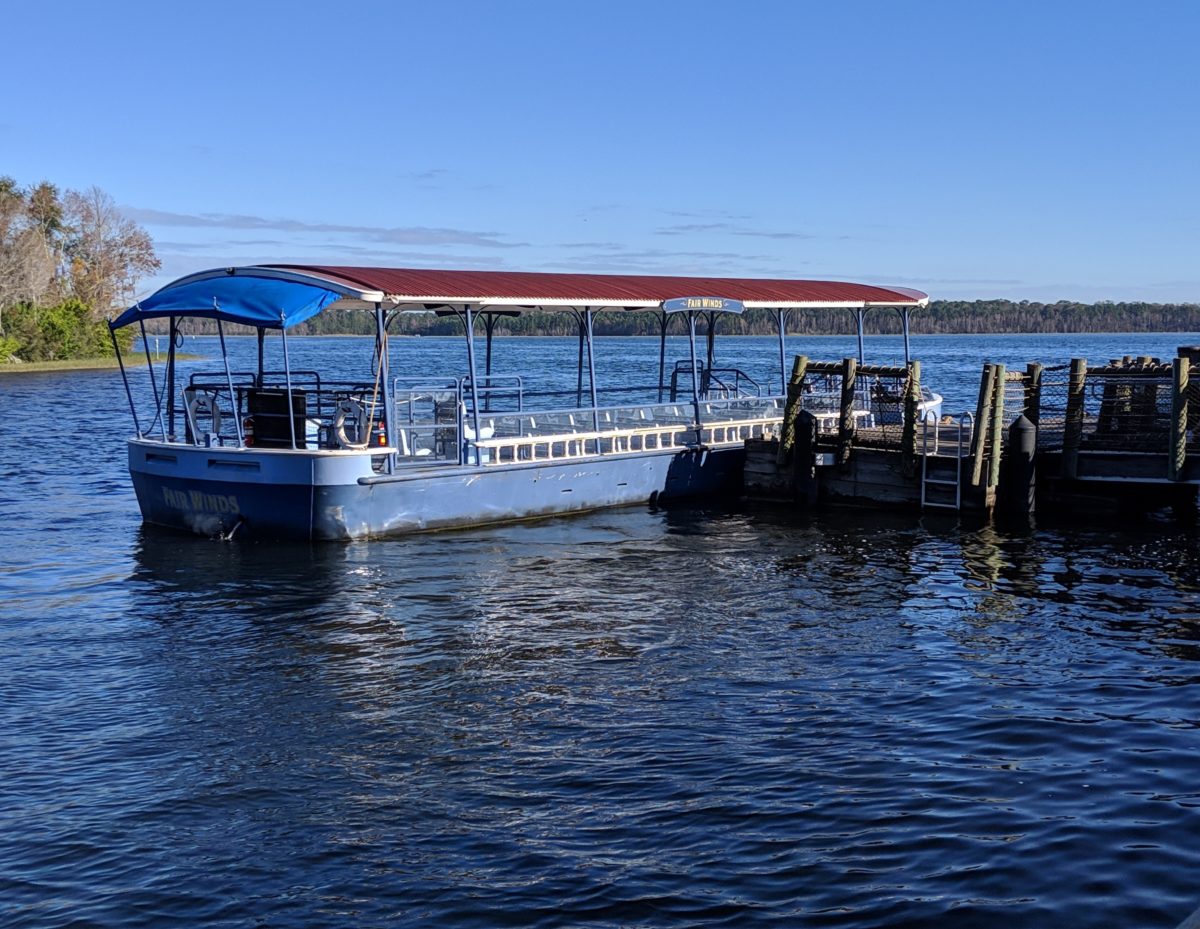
{"points": [[253, 296]]}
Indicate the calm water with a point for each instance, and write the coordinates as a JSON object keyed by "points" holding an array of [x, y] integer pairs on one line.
{"points": [[685, 717]]}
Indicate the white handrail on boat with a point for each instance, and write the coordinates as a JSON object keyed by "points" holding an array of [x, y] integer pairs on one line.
{"points": [[506, 449]]}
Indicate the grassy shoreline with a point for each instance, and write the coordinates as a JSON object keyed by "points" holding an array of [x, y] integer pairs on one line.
{"points": [[81, 364]]}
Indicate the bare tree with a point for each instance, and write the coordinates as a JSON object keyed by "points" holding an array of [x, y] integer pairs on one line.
{"points": [[105, 251], [28, 267]]}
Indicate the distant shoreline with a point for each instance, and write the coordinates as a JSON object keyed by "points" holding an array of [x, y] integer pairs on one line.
{"points": [[79, 364]]}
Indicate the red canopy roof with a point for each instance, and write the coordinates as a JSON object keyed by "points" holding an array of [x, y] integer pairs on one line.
{"points": [[516, 288]]}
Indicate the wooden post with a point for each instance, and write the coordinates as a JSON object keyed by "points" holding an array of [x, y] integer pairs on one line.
{"points": [[1033, 392], [1179, 419], [1191, 359], [997, 427], [983, 421], [1073, 428], [908, 435], [795, 391], [846, 419]]}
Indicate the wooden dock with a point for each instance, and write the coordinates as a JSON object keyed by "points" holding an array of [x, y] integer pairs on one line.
{"points": [[1123, 433]]}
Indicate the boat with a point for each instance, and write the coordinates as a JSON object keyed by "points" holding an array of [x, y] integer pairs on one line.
{"points": [[281, 453]]}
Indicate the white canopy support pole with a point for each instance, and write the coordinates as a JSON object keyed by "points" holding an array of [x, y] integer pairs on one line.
{"points": [[158, 413], [233, 400], [591, 359], [470, 321], [711, 339], [173, 331], [579, 363], [489, 326], [695, 375], [287, 375], [860, 313], [385, 384], [112, 333], [665, 319], [781, 314]]}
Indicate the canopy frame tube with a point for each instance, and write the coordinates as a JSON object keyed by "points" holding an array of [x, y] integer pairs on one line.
{"points": [[664, 323], [691, 316], [158, 417], [711, 337], [782, 315], [860, 315], [469, 325], [237, 419], [384, 361], [591, 359], [172, 332], [262, 335], [137, 426]]}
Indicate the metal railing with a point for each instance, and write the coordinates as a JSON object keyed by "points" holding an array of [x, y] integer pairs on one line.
{"points": [[433, 423], [323, 414], [620, 440]]}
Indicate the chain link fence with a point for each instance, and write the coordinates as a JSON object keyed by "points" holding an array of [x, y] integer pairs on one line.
{"points": [[1052, 406], [1122, 406]]}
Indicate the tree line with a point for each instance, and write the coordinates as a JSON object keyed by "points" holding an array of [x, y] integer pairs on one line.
{"points": [[67, 261], [940, 317]]}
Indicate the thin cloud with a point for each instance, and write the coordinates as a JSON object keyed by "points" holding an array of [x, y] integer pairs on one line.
{"points": [[169, 246], [396, 235], [686, 228], [662, 261], [900, 280], [775, 235], [706, 214], [731, 229], [185, 261]]}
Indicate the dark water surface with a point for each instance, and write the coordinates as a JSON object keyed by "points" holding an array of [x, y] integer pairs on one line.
{"points": [[696, 716]]}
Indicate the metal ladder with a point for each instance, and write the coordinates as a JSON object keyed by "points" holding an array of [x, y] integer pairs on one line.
{"points": [[961, 423]]}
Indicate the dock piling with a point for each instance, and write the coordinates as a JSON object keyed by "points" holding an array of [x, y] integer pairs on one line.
{"points": [[846, 417], [1018, 490], [804, 470], [1073, 427], [908, 435], [997, 428], [983, 421], [795, 391], [1179, 419]]}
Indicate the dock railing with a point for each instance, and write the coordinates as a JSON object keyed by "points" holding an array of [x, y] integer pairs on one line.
{"points": [[1129, 405], [1129, 423], [1125, 406], [871, 406]]}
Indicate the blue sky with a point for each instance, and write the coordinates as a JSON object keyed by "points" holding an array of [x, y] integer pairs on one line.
{"points": [[1026, 150]]}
